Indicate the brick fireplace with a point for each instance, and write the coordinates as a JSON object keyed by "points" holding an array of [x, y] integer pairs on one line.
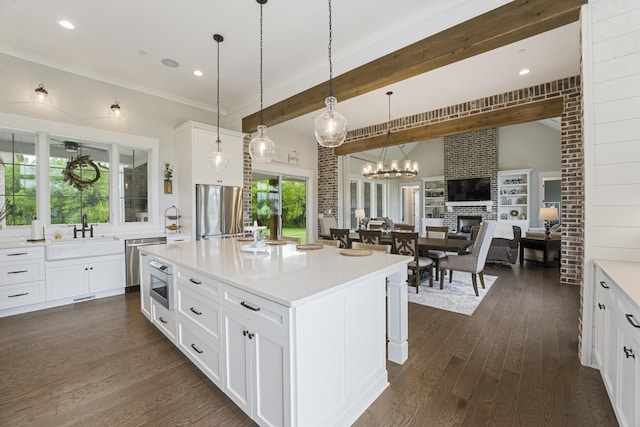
{"points": [[471, 155]]}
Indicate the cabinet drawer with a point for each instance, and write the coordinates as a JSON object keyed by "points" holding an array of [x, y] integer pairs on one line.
{"points": [[268, 313], [207, 286], [177, 238], [202, 311], [18, 254], [22, 294], [28, 270], [201, 352], [164, 319]]}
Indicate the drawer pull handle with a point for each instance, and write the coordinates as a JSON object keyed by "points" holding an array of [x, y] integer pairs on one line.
{"points": [[193, 346], [194, 311], [162, 320], [195, 282], [18, 254], [178, 240], [19, 295], [17, 271], [604, 284], [632, 320], [249, 306], [628, 352], [601, 306]]}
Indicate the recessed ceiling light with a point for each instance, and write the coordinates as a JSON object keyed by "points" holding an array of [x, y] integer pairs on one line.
{"points": [[198, 73], [170, 63], [66, 24], [524, 71]]}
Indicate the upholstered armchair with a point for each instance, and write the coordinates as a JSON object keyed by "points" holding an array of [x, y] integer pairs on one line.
{"points": [[474, 261]]}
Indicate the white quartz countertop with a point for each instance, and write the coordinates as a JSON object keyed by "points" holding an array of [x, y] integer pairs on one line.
{"points": [[283, 274], [626, 275]]}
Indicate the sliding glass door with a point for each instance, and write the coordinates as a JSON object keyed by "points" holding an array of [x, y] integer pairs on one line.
{"points": [[280, 203]]}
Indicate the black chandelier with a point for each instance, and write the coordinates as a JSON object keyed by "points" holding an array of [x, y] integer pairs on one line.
{"points": [[393, 170]]}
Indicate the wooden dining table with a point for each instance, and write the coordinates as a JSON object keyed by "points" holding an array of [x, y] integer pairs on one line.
{"points": [[448, 245]]}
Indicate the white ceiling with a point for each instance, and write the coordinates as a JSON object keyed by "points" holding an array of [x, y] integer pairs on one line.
{"points": [[122, 42]]}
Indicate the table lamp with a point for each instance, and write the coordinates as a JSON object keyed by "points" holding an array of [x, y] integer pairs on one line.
{"points": [[548, 214], [359, 216]]}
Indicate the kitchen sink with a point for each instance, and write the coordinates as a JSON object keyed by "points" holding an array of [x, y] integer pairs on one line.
{"points": [[82, 248]]}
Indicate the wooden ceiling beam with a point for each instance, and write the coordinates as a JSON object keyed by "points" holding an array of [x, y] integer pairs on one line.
{"points": [[518, 114], [499, 27]]}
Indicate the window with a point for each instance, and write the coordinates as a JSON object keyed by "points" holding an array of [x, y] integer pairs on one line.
{"points": [[369, 195], [133, 185], [18, 183], [68, 203]]}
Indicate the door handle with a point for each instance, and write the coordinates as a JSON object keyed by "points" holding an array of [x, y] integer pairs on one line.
{"points": [[632, 320], [193, 310], [603, 284]]}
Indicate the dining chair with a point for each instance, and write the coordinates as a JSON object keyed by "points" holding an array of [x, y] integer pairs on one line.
{"points": [[333, 243], [473, 262], [404, 243], [440, 233], [373, 247], [373, 237], [404, 227], [341, 235]]}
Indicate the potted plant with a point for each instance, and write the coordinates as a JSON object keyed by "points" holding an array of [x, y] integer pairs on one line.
{"points": [[168, 175]]}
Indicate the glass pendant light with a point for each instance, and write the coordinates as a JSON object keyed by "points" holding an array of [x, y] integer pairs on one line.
{"points": [[261, 148], [218, 160], [330, 126]]}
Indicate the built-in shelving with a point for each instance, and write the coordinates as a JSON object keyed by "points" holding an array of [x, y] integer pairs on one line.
{"points": [[514, 197], [433, 199]]}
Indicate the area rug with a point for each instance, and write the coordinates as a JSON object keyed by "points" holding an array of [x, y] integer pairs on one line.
{"points": [[457, 296]]}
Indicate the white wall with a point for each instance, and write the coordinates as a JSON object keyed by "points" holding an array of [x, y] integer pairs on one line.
{"points": [[85, 102], [612, 130], [530, 145], [611, 81]]}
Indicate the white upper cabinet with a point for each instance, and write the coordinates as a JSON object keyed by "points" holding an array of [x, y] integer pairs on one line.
{"points": [[194, 142]]}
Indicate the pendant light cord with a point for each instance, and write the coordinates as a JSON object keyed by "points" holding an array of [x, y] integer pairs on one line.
{"points": [[330, 62], [218, 94], [261, 91]]}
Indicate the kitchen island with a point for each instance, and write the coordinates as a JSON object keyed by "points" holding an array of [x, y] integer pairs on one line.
{"points": [[293, 337]]}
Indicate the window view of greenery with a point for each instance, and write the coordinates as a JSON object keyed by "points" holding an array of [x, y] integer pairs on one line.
{"points": [[133, 173], [67, 202], [18, 183], [265, 201]]}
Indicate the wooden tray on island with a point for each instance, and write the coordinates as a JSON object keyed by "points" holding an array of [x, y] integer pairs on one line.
{"points": [[355, 252], [244, 239], [309, 247], [275, 242]]}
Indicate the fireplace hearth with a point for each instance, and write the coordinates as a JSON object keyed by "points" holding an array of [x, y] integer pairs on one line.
{"points": [[465, 222]]}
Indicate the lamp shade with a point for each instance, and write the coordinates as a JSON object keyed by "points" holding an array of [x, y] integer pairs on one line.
{"points": [[360, 213], [548, 214]]}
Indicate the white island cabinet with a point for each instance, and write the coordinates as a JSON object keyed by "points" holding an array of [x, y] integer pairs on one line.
{"points": [[617, 336], [294, 338]]}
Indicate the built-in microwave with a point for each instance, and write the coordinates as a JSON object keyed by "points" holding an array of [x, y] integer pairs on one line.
{"points": [[162, 286]]}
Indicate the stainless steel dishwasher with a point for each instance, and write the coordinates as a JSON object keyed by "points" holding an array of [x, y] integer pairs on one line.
{"points": [[133, 259]]}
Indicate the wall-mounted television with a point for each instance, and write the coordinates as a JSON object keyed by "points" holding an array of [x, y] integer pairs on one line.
{"points": [[469, 190]]}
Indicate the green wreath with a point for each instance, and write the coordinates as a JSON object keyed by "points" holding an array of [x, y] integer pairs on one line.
{"points": [[73, 178]]}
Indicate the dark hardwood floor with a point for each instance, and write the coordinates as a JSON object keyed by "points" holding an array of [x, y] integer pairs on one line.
{"points": [[514, 362]]}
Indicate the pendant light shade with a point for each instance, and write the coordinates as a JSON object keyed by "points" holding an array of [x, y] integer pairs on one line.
{"points": [[261, 148], [218, 160], [330, 126]]}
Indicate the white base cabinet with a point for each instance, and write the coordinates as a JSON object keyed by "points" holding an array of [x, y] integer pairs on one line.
{"points": [[257, 369], [145, 297], [319, 363], [21, 277], [82, 277], [617, 347]]}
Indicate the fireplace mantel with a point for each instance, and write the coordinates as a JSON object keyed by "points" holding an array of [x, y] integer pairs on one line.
{"points": [[488, 204]]}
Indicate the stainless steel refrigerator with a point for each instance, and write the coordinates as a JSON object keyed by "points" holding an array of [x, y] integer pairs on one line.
{"points": [[218, 211]]}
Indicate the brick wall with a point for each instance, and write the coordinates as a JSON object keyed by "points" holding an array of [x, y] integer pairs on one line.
{"points": [[246, 192], [327, 184], [569, 89], [471, 155]]}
